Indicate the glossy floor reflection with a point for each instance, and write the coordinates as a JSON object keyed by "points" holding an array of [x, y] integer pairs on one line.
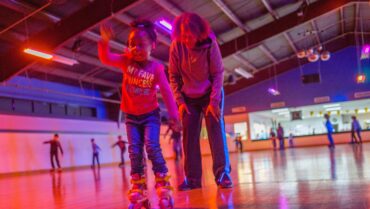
{"points": [[295, 178]]}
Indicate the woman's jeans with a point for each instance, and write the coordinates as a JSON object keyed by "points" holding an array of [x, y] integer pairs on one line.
{"points": [[192, 124]]}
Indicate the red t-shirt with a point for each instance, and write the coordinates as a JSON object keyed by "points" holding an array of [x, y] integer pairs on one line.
{"points": [[140, 83]]}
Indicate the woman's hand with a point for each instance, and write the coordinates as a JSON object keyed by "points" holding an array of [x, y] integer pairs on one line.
{"points": [[214, 111], [183, 109]]}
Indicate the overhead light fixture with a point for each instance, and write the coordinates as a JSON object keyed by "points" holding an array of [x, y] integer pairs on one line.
{"points": [[283, 113], [333, 109], [361, 111], [64, 60], [243, 73], [325, 56], [164, 24], [56, 58], [313, 57], [38, 53], [331, 105], [273, 91], [313, 54], [301, 54], [366, 48], [365, 52], [280, 110]]}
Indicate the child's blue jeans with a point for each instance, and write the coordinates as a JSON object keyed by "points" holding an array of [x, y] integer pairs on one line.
{"points": [[144, 130]]}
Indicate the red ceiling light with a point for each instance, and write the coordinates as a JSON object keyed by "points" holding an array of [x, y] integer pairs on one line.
{"points": [[55, 58], [360, 78], [314, 54]]}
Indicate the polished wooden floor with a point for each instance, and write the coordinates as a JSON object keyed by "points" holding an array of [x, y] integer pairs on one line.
{"points": [[295, 178]]}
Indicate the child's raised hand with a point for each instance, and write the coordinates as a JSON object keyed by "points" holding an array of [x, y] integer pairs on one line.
{"points": [[106, 32]]}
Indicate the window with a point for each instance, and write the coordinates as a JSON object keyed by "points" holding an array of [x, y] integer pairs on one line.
{"points": [[309, 120], [22, 106], [88, 112], [6, 104], [241, 129]]}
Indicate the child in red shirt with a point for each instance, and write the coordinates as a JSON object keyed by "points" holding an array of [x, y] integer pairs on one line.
{"points": [[141, 78]]}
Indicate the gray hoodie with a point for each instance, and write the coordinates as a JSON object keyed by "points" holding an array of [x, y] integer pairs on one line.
{"points": [[197, 71]]}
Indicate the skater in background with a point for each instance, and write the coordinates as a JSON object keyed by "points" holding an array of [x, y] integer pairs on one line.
{"points": [[290, 139], [96, 149], [330, 130], [122, 147], [175, 138], [54, 146], [355, 129], [273, 138], [280, 136], [238, 142], [141, 79]]}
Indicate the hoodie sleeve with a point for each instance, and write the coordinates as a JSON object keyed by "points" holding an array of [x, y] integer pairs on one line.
{"points": [[166, 92], [216, 73], [109, 58], [174, 73]]}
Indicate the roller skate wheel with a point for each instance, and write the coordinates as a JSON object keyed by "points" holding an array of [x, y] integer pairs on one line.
{"points": [[145, 205], [166, 203]]}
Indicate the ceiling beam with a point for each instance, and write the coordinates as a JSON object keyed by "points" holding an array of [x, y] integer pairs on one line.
{"points": [[237, 31], [25, 18], [87, 59], [14, 37], [15, 61], [92, 72], [74, 76], [290, 63], [92, 36], [169, 7], [291, 44], [341, 13], [114, 44], [357, 16], [245, 62], [89, 78], [268, 53], [283, 24], [315, 31], [231, 15], [23, 8], [126, 19], [172, 9], [270, 9]]}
